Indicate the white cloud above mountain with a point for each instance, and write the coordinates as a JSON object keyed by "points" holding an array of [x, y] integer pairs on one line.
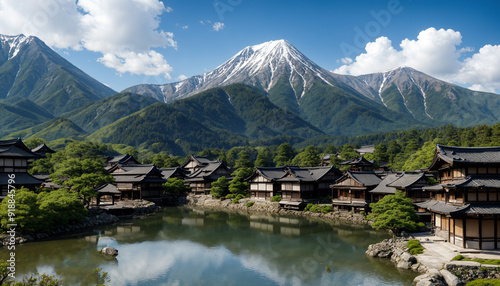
{"points": [[125, 32], [435, 52]]}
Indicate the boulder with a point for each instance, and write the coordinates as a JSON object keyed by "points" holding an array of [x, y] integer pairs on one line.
{"points": [[431, 278], [450, 278], [109, 251]]}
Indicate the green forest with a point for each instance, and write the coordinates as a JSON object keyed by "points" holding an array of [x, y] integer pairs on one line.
{"points": [[402, 150]]}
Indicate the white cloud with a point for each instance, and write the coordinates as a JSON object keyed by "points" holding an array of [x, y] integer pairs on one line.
{"points": [[169, 9], [482, 70], [218, 26], [185, 27], [151, 63], [182, 77], [123, 31], [435, 52]]}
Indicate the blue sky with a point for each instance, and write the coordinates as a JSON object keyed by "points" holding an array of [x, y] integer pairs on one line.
{"points": [[331, 33]]}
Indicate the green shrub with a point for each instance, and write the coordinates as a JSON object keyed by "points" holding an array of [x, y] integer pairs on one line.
{"points": [[484, 282], [231, 196], [326, 209], [415, 247], [249, 204], [317, 209], [238, 198], [276, 199], [458, 257]]}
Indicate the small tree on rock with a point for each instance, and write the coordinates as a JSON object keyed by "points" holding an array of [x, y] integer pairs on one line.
{"points": [[175, 186], [219, 188], [394, 213]]}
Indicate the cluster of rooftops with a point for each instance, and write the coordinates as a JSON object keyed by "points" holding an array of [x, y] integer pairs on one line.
{"points": [[458, 194]]}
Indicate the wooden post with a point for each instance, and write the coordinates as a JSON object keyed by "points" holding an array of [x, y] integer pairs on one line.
{"points": [[464, 224], [449, 231], [480, 233]]}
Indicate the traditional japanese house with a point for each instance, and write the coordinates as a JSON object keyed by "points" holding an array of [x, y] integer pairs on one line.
{"points": [[465, 206], [123, 160], [264, 182], [175, 172], [107, 193], [138, 181], [296, 185], [201, 180], [382, 189], [194, 163], [358, 164], [300, 185], [42, 150], [351, 191], [14, 164], [412, 185]]}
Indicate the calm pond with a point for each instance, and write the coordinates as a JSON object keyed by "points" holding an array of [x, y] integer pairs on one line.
{"points": [[182, 246]]}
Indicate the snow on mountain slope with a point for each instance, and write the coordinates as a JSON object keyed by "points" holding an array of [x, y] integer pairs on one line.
{"points": [[260, 65]]}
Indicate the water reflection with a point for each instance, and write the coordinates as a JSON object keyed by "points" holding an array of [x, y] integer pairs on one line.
{"points": [[182, 246]]}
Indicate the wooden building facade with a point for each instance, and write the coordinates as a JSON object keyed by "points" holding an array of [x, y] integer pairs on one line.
{"points": [[137, 181], [351, 191], [14, 164], [200, 182], [295, 185], [465, 206]]}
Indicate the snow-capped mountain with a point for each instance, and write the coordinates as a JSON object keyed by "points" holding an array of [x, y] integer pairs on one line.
{"points": [[403, 96], [11, 45], [31, 70], [426, 98], [260, 65]]}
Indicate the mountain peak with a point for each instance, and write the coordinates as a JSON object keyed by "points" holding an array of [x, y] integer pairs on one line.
{"points": [[271, 45]]}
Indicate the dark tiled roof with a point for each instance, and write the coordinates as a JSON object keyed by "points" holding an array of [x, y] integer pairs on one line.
{"points": [[108, 189], [201, 160], [485, 155], [361, 161], [367, 179], [406, 180], [440, 207], [136, 173], [206, 172], [319, 172], [123, 159], [481, 209], [272, 173], [21, 179], [168, 172], [382, 188], [473, 208], [42, 149], [293, 173], [471, 181], [15, 148]]}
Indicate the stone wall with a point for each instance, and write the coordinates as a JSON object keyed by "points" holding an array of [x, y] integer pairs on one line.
{"points": [[262, 206], [468, 270]]}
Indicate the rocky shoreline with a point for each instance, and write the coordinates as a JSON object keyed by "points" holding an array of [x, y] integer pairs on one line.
{"points": [[454, 273], [96, 217], [267, 207]]}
